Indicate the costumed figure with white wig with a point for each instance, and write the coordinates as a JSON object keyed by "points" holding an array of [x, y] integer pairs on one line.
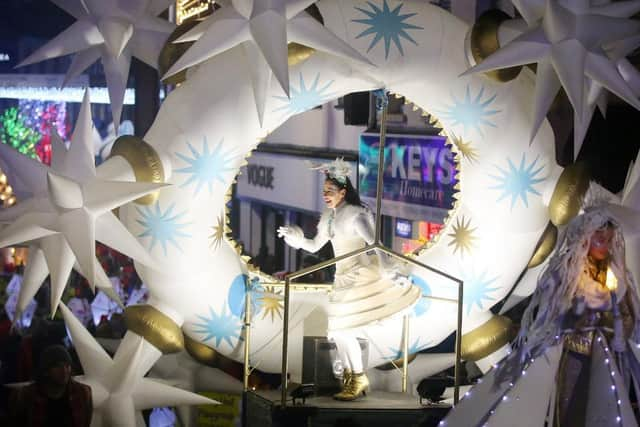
{"points": [[580, 335], [365, 289]]}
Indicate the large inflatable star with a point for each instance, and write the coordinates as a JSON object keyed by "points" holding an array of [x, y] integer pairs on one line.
{"points": [[118, 386], [573, 46], [263, 28], [69, 209], [113, 30]]}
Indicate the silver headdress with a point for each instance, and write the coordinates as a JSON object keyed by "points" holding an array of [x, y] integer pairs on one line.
{"points": [[337, 169]]}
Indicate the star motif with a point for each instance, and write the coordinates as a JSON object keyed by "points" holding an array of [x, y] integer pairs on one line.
{"points": [[397, 353], [569, 41], [263, 29], [471, 113], [477, 288], [517, 182], [303, 98], [163, 227], [271, 302], [462, 238], [386, 24], [118, 387], [218, 233], [465, 148], [114, 31], [206, 167], [69, 209], [223, 327]]}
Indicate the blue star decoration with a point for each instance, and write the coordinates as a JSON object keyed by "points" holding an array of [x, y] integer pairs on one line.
{"points": [[163, 227], [477, 288], [224, 327], [305, 98], [388, 24], [206, 166], [518, 181], [414, 348], [424, 304], [470, 113]]}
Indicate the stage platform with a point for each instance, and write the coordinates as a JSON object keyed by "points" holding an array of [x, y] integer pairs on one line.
{"points": [[378, 408]]}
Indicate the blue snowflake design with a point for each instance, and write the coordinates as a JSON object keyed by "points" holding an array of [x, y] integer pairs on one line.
{"points": [[470, 113], [305, 98], [207, 166], [224, 327], [516, 182], [163, 227], [414, 348], [477, 288], [388, 24]]}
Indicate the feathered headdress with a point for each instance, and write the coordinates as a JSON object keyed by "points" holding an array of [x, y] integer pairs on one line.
{"points": [[337, 169]]}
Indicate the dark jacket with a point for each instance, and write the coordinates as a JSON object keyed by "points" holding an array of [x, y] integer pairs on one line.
{"points": [[28, 405]]}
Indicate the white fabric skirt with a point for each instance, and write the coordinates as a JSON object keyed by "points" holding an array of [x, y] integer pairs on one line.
{"points": [[361, 296]]}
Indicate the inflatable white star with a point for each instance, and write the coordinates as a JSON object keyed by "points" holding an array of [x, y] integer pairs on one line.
{"points": [[69, 210], [263, 28], [569, 40], [113, 30], [118, 386]]}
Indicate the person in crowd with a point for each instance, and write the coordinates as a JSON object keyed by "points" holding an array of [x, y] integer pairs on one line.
{"points": [[54, 398], [362, 292]]}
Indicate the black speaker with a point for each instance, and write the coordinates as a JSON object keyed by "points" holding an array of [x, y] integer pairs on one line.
{"points": [[356, 108], [318, 354]]}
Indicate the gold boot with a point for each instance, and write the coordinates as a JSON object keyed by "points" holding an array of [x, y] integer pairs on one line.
{"points": [[359, 384]]}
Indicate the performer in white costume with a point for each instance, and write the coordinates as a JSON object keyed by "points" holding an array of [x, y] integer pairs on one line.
{"points": [[363, 291]]}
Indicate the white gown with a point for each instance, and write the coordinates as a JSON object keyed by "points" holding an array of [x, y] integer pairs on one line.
{"points": [[361, 295]]}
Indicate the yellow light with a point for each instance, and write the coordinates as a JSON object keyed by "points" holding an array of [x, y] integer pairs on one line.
{"points": [[612, 282], [9, 189]]}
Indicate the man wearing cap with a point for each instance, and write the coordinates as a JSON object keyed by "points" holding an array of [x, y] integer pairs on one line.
{"points": [[54, 399]]}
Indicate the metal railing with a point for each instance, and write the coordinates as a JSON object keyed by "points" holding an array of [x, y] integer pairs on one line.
{"points": [[382, 103]]}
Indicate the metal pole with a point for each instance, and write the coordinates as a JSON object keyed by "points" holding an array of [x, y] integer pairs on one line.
{"points": [[405, 354], [379, 189], [285, 343], [458, 366], [247, 339]]}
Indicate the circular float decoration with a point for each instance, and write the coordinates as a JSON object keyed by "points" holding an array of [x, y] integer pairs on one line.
{"points": [[207, 127]]}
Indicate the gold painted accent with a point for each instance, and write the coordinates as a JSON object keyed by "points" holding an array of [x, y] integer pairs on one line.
{"points": [[486, 338], [171, 52], [571, 187], [272, 305], [466, 150], [462, 237], [146, 164], [484, 42], [298, 53], [155, 327], [200, 352], [545, 246], [219, 231]]}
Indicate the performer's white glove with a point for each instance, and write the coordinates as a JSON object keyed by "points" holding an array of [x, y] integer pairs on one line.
{"points": [[293, 235]]}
